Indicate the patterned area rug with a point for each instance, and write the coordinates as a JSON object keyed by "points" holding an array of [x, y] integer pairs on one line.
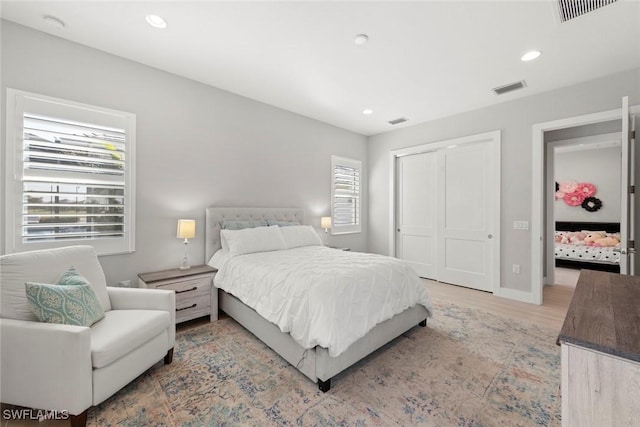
{"points": [[466, 368]]}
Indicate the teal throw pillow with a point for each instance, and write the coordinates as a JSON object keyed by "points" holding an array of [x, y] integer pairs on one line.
{"points": [[70, 301]]}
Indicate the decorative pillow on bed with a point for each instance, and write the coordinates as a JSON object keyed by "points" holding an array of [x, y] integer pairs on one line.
{"points": [[281, 223], [250, 240], [300, 235], [241, 224]]}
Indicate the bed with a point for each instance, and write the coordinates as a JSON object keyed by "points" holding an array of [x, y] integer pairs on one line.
{"points": [[319, 363], [571, 251]]}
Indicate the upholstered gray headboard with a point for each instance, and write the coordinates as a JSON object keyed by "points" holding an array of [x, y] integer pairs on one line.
{"points": [[214, 214]]}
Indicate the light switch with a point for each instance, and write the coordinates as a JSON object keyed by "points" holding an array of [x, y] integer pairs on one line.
{"points": [[520, 225]]}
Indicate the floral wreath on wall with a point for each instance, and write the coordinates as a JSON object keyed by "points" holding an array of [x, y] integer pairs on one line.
{"points": [[578, 194]]}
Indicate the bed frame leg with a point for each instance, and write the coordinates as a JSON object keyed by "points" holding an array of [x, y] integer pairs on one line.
{"points": [[324, 386], [423, 323]]}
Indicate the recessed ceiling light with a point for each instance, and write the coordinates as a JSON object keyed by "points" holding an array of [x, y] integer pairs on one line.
{"points": [[367, 111], [53, 21], [156, 21], [361, 39], [531, 55]]}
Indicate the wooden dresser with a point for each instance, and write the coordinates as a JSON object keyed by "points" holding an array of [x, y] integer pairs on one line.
{"points": [[600, 341]]}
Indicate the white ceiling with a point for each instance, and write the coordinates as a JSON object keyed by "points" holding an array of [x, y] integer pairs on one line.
{"points": [[424, 59]]}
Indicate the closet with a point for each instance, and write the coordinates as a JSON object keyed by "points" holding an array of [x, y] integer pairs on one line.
{"points": [[447, 210]]}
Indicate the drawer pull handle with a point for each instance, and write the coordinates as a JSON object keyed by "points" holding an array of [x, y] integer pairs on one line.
{"points": [[186, 308], [195, 288]]}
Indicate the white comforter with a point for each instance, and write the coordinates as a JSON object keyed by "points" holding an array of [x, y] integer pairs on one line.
{"points": [[322, 296]]}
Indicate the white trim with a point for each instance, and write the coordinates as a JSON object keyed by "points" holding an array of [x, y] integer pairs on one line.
{"points": [[16, 100], [537, 186], [592, 142], [495, 137], [515, 294]]}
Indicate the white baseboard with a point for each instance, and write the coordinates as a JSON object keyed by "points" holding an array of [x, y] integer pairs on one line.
{"points": [[518, 295]]}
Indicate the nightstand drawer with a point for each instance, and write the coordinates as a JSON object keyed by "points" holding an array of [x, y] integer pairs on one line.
{"points": [[192, 306], [197, 286]]}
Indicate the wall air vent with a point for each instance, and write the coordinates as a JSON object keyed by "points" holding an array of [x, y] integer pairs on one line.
{"points": [[509, 88], [398, 121], [570, 9]]}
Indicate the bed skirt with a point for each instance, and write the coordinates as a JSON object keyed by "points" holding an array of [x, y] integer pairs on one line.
{"points": [[316, 363]]}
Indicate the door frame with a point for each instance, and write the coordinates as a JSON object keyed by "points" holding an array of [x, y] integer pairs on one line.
{"points": [[538, 193], [495, 138]]}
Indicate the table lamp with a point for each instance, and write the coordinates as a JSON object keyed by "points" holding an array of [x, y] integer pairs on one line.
{"points": [[325, 222], [186, 231]]}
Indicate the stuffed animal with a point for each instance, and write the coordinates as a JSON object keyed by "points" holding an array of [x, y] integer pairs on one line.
{"points": [[607, 241], [590, 239], [577, 238]]}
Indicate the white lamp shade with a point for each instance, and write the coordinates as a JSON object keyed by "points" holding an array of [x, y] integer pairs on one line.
{"points": [[325, 222], [186, 229]]}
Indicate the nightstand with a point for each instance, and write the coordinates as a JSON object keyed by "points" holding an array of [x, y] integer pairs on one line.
{"points": [[195, 294]]}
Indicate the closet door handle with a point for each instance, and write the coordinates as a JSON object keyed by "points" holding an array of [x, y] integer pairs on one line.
{"points": [[490, 236]]}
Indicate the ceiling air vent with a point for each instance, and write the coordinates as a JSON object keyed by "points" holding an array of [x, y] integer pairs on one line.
{"points": [[570, 9], [398, 121], [510, 87]]}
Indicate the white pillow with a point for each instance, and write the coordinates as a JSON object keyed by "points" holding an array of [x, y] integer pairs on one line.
{"points": [[223, 243], [300, 235], [250, 240]]}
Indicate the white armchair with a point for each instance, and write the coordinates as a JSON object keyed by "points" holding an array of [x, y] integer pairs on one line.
{"points": [[60, 367]]}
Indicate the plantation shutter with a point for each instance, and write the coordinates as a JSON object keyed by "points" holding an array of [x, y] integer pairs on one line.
{"points": [[73, 180], [346, 195], [73, 173]]}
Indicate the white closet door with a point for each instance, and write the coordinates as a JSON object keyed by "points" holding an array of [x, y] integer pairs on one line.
{"points": [[416, 217], [464, 218]]}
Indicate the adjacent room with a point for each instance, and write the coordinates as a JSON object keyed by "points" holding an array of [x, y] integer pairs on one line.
{"points": [[315, 213]]}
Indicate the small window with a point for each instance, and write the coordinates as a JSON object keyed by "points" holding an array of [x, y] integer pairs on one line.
{"points": [[72, 168], [345, 195]]}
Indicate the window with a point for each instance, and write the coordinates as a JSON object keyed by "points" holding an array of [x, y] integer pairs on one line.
{"points": [[70, 170], [345, 195]]}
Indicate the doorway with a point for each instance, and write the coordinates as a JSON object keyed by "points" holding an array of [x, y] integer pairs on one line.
{"points": [[446, 217], [541, 230], [592, 163]]}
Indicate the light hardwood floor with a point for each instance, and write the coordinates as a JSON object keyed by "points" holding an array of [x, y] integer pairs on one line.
{"points": [[550, 314]]}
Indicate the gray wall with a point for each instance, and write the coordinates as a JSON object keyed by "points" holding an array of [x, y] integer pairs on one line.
{"points": [[515, 119], [600, 167], [196, 145]]}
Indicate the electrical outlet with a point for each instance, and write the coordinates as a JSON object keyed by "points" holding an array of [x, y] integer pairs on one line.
{"points": [[516, 269], [124, 283], [520, 225]]}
